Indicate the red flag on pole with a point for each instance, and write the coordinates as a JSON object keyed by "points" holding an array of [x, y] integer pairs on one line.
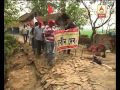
{"points": [[50, 9], [39, 19]]}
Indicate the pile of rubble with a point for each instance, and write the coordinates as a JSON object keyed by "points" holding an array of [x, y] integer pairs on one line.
{"points": [[69, 73]]}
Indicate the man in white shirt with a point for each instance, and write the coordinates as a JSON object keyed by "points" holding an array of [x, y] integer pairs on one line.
{"points": [[29, 34], [24, 32], [38, 38]]}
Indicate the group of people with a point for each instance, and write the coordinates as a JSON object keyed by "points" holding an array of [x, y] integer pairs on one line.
{"points": [[42, 38]]}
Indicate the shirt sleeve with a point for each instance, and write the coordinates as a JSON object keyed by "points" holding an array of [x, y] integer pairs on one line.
{"points": [[34, 32], [43, 30]]}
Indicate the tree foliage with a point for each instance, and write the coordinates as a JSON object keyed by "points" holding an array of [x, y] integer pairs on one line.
{"points": [[10, 12], [94, 25], [10, 45], [39, 6], [77, 14]]}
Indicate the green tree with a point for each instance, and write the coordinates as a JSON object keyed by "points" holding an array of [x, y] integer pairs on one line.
{"points": [[10, 12], [109, 4], [77, 14], [39, 6]]}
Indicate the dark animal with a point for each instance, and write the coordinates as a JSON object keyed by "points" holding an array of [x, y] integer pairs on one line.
{"points": [[97, 60]]}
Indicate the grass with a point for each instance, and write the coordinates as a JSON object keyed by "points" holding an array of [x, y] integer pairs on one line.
{"points": [[89, 32], [86, 32]]}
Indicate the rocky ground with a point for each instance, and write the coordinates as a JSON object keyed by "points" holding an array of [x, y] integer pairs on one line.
{"points": [[26, 72]]}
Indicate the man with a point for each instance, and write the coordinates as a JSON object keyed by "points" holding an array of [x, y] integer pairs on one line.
{"points": [[29, 34], [44, 28], [49, 38], [24, 32], [38, 38], [32, 40], [69, 24]]}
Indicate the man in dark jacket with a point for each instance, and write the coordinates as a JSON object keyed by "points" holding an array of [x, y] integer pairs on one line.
{"points": [[69, 24]]}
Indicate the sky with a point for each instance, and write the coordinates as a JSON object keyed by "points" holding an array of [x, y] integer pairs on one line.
{"points": [[24, 6]]}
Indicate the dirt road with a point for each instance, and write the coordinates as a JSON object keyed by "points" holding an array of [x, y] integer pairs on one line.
{"points": [[69, 73]]}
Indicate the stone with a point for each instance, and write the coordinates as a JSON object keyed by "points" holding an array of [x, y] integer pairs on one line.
{"points": [[108, 51], [79, 87], [66, 86], [76, 65], [98, 87], [27, 71], [30, 59], [49, 82], [84, 78], [39, 88], [44, 78], [87, 86]]}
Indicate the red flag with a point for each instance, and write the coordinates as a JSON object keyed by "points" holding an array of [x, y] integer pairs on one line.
{"points": [[39, 19], [50, 9]]}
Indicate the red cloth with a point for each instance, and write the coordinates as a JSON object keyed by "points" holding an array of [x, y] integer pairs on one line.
{"points": [[100, 47], [49, 34], [39, 24], [51, 22], [96, 48], [50, 9], [92, 48], [39, 19]]}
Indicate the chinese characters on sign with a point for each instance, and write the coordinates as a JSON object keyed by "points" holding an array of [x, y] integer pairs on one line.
{"points": [[66, 39], [101, 11]]}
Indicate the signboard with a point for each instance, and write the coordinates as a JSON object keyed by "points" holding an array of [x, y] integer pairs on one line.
{"points": [[101, 11], [66, 39]]}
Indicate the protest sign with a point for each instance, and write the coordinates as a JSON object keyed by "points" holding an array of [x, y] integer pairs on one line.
{"points": [[66, 39]]}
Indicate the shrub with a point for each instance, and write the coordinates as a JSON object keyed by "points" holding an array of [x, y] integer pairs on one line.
{"points": [[10, 44]]}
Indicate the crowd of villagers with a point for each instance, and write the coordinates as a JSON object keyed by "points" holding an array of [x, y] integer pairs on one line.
{"points": [[41, 37]]}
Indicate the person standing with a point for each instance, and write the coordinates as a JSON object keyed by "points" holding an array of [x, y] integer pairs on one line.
{"points": [[32, 39], [69, 24], [66, 23], [38, 38], [27, 27], [49, 38], [29, 34], [24, 32], [44, 41]]}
